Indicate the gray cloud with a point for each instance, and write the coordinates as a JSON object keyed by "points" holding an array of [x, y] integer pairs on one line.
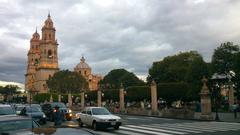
{"points": [[116, 34]]}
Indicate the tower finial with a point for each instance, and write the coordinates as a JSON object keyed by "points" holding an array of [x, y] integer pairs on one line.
{"points": [[82, 59], [36, 30], [49, 14]]}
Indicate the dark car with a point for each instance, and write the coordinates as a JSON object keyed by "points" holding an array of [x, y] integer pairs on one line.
{"points": [[49, 109], [35, 113], [16, 124]]}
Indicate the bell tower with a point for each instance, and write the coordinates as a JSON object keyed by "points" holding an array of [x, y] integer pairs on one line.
{"points": [[33, 60], [48, 61]]}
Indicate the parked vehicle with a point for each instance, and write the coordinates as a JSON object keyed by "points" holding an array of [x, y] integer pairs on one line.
{"points": [[98, 117], [19, 109], [6, 110], [16, 125], [34, 113], [49, 109]]}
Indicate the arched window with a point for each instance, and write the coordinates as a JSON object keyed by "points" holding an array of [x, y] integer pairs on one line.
{"points": [[49, 36], [50, 54]]}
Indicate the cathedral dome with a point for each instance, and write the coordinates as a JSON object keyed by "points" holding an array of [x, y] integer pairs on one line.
{"points": [[82, 64]]}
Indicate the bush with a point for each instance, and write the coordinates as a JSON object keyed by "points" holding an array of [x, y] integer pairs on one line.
{"points": [[138, 93], [112, 94], [174, 91]]}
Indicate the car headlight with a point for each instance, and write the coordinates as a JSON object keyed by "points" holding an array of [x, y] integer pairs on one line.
{"points": [[103, 120], [69, 110], [44, 116]]}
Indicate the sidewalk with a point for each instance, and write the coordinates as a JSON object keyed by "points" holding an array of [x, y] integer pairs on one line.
{"points": [[226, 117]]}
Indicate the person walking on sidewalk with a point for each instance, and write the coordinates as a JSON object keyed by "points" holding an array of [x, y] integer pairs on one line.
{"points": [[235, 108]]}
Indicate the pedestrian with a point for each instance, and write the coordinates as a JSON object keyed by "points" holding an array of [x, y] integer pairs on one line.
{"points": [[235, 108], [57, 117]]}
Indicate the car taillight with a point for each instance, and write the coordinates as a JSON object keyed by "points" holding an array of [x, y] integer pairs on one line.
{"points": [[54, 110]]}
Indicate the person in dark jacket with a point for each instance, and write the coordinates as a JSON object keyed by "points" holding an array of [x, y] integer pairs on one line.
{"points": [[57, 117]]}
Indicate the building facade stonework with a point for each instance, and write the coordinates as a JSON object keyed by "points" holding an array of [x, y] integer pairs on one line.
{"points": [[85, 70], [42, 58]]}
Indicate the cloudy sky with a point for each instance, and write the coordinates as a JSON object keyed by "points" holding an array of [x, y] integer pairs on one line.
{"points": [[128, 34]]}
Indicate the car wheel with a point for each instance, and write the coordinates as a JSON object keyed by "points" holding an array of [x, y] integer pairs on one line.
{"points": [[80, 123], [116, 127], [94, 125]]}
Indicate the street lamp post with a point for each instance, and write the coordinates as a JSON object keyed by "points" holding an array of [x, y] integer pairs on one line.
{"points": [[216, 98]]}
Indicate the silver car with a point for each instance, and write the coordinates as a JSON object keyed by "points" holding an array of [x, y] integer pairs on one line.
{"points": [[98, 117]]}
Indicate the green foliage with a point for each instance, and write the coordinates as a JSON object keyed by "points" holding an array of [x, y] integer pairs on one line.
{"points": [[67, 82], [91, 95], [117, 76], [9, 90], [187, 68], [223, 59], [175, 91], [41, 97], [138, 93], [111, 94], [183, 67]]}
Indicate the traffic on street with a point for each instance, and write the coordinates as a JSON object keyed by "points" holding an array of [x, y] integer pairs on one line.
{"points": [[99, 121]]}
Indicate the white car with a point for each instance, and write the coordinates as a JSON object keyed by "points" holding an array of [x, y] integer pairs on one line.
{"points": [[98, 117]]}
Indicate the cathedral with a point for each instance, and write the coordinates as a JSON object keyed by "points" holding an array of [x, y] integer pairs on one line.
{"points": [[42, 58], [43, 61], [85, 70]]}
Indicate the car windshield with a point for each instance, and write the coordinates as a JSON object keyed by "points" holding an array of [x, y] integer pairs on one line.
{"points": [[19, 108], [60, 105], [6, 110], [100, 111], [33, 109], [17, 125]]}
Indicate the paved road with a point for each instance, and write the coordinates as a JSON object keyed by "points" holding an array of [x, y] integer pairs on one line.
{"points": [[141, 125]]}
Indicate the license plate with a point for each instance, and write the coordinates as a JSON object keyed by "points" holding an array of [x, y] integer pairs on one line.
{"points": [[113, 123]]}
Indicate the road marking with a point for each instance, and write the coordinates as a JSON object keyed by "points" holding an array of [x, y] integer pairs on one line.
{"points": [[159, 130], [127, 132], [167, 119], [144, 131], [202, 126], [173, 128]]}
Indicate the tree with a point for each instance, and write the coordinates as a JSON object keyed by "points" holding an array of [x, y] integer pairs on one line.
{"points": [[67, 82], [117, 76], [9, 90], [236, 79], [187, 67], [223, 59], [183, 67]]}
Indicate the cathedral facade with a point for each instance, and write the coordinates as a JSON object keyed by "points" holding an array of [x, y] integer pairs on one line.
{"points": [[42, 58], [85, 70]]}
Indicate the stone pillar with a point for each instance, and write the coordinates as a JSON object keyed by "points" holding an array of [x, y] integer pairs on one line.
{"points": [[69, 100], [82, 100], [121, 99], [154, 97], [51, 99], [59, 98], [99, 98], [206, 111], [231, 95]]}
